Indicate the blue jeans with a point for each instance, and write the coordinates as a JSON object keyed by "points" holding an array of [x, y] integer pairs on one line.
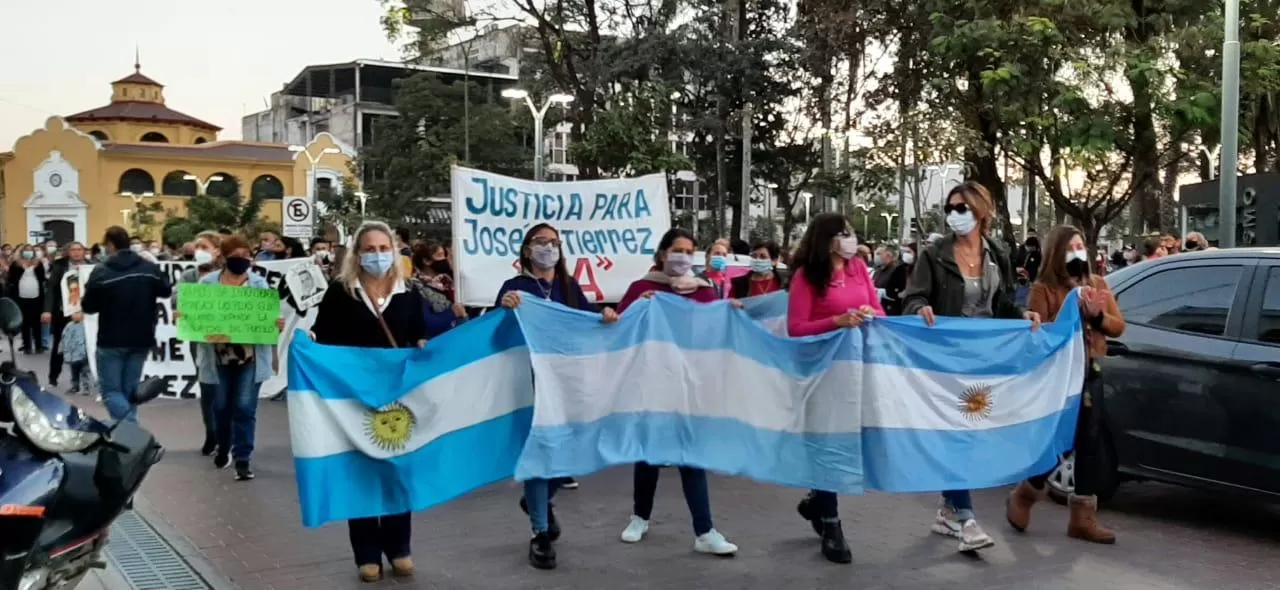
{"points": [[696, 495], [537, 495], [960, 502], [119, 371], [236, 403], [45, 335]]}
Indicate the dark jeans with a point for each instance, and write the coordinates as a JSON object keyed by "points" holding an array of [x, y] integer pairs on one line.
{"points": [[825, 504], [235, 410], [32, 329], [79, 376], [208, 412], [696, 495], [56, 325], [371, 538], [119, 370], [1088, 445]]}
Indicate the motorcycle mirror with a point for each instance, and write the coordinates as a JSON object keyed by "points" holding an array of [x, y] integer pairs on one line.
{"points": [[148, 390], [10, 317]]}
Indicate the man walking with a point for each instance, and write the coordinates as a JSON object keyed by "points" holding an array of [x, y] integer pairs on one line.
{"points": [[55, 315], [123, 292]]}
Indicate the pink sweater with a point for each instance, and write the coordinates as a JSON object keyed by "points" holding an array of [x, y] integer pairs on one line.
{"points": [[638, 288], [808, 314]]}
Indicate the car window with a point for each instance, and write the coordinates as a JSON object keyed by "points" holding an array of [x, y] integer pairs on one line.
{"points": [[1269, 319], [1191, 299]]}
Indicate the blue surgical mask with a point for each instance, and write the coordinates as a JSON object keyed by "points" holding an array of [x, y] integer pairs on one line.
{"points": [[377, 264], [760, 266], [719, 263]]}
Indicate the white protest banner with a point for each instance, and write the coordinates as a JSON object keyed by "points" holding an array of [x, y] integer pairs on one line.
{"points": [[609, 229], [170, 359]]}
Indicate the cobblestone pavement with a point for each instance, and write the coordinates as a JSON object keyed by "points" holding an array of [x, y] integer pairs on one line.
{"points": [[250, 532]]}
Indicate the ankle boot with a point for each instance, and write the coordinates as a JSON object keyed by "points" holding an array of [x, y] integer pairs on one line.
{"points": [[370, 572], [834, 547], [807, 512], [1017, 508], [402, 567], [1083, 523]]}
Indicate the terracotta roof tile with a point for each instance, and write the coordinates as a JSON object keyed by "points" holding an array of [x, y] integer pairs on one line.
{"points": [[145, 112], [235, 150]]}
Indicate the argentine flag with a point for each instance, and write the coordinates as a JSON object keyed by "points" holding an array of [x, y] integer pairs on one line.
{"points": [[682, 383], [386, 431]]}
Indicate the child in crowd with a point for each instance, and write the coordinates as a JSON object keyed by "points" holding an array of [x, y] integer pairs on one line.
{"points": [[75, 354]]}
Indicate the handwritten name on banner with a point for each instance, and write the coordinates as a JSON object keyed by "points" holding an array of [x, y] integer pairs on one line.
{"points": [[609, 229]]}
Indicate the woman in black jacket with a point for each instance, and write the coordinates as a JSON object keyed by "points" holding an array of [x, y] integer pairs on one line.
{"points": [[26, 286], [964, 274], [369, 305]]}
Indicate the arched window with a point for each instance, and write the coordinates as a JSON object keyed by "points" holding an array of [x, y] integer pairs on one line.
{"points": [[176, 184], [100, 135], [267, 187], [200, 140], [228, 186], [155, 137], [136, 181]]}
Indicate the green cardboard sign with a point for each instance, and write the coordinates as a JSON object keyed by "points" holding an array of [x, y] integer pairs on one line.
{"points": [[241, 315]]}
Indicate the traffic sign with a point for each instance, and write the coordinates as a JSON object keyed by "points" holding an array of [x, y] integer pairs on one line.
{"points": [[299, 217]]}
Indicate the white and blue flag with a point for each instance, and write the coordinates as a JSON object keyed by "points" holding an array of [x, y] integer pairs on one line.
{"points": [[894, 406]]}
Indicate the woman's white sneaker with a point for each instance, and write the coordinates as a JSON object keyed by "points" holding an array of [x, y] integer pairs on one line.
{"points": [[714, 543], [635, 530]]}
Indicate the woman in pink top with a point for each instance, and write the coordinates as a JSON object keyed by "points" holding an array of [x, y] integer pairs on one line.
{"points": [[830, 290]]}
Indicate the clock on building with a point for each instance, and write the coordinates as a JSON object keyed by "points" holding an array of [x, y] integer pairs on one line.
{"points": [[55, 180]]}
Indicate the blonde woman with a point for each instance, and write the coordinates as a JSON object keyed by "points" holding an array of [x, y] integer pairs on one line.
{"points": [[207, 254], [370, 306]]}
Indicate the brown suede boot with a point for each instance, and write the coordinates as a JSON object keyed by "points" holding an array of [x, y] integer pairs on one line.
{"points": [[370, 572], [1084, 521], [1017, 508]]}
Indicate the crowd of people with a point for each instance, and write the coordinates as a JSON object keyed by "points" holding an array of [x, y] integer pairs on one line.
{"points": [[391, 292]]}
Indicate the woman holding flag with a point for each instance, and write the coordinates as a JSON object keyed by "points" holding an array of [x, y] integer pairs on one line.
{"points": [[674, 274], [369, 305], [1065, 268], [830, 290], [544, 274], [964, 274]]}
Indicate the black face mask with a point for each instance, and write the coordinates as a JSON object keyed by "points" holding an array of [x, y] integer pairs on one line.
{"points": [[1191, 245], [238, 265], [1077, 268], [441, 267]]}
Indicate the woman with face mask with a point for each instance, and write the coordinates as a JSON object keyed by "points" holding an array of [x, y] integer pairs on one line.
{"points": [[717, 267], [830, 290], [369, 305], [674, 274], [764, 277], [26, 280], [543, 274], [207, 254], [234, 372], [1066, 268], [964, 274], [433, 280]]}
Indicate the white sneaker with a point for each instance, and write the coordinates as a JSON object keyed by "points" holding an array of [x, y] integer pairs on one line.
{"points": [[714, 543], [969, 532], [946, 523], [635, 530]]}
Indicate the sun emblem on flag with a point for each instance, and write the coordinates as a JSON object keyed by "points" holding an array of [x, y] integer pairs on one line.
{"points": [[390, 427], [976, 401]]}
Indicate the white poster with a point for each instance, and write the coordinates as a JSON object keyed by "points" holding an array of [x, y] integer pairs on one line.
{"points": [[72, 288], [171, 358], [609, 230], [307, 283]]}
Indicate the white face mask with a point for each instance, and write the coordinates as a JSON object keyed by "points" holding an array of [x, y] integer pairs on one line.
{"points": [[908, 257], [678, 264], [961, 223], [1078, 255], [202, 257], [848, 247]]}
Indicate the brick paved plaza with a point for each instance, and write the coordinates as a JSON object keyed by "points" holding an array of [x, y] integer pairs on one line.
{"points": [[250, 533]]}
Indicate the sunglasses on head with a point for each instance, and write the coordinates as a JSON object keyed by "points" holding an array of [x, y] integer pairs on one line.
{"points": [[960, 208]]}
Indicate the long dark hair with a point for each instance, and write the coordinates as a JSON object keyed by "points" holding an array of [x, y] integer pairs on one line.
{"points": [[813, 257], [562, 275], [667, 240]]}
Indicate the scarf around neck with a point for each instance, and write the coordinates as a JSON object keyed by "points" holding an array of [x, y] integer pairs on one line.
{"points": [[682, 285]]}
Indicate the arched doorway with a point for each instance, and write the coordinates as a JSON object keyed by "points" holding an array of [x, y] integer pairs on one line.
{"points": [[63, 231]]}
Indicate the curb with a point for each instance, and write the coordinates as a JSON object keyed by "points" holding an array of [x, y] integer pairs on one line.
{"points": [[182, 546]]}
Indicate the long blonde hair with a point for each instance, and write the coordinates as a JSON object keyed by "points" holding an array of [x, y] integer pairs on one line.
{"points": [[350, 273]]}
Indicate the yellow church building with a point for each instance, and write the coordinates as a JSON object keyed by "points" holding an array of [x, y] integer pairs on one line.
{"points": [[82, 173]]}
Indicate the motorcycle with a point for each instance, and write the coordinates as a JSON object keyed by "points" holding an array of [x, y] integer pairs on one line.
{"points": [[64, 476]]}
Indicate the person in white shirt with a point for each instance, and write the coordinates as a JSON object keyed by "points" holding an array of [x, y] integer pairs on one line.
{"points": [[26, 281]]}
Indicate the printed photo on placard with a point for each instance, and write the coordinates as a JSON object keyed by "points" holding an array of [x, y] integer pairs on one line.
{"points": [[307, 283], [72, 287]]}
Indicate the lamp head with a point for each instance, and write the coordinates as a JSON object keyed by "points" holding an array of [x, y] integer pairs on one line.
{"points": [[560, 98], [515, 93]]}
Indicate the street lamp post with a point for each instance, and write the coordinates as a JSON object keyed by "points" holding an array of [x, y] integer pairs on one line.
{"points": [[137, 203], [297, 149], [1230, 123], [363, 197], [888, 222], [807, 196], [202, 186], [866, 208], [538, 114]]}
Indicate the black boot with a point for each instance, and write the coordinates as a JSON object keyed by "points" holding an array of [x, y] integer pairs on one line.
{"points": [[834, 547], [805, 508], [553, 525], [542, 554], [209, 447]]}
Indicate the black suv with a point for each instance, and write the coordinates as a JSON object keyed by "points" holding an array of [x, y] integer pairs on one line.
{"points": [[1192, 388]]}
